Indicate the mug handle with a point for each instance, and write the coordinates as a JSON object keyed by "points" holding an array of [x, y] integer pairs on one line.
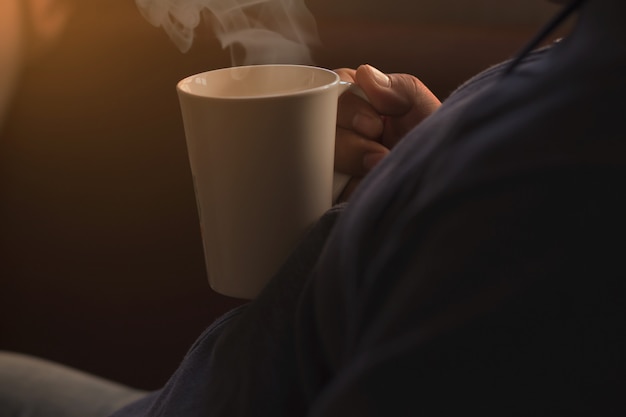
{"points": [[340, 180]]}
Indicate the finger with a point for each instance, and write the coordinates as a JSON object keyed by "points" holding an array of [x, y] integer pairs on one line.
{"points": [[356, 155], [346, 74], [356, 114]]}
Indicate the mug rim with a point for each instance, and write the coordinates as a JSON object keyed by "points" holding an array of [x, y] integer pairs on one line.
{"points": [[180, 86]]}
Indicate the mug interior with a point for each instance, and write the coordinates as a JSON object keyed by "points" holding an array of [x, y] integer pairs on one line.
{"points": [[258, 81]]}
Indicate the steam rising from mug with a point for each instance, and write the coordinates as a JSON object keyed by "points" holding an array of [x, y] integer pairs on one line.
{"points": [[255, 31]]}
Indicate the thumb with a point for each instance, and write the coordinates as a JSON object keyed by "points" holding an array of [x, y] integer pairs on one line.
{"points": [[393, 94]]}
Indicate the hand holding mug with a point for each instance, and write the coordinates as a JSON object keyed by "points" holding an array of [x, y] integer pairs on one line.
{"points": [[367, 130]]}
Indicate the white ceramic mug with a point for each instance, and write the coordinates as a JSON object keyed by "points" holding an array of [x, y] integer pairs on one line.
{"points": [[260, 141]]}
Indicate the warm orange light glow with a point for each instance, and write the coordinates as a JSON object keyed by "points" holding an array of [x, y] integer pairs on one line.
{"points": [[10, 50], [49, 18]]}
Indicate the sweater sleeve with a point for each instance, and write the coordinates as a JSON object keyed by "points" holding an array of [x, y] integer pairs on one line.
{"points": [[506, 300]]}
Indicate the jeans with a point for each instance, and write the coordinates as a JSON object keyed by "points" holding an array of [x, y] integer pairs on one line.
{"points": [[35, 387]]}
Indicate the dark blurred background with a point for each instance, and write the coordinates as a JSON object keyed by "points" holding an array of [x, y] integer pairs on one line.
{"points": [[101, 263]]}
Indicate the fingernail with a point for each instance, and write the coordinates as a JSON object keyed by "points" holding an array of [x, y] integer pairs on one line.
{"points": [[370, 160], [380, 78]]}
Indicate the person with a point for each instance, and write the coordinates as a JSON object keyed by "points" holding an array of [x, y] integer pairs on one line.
{"points": [[477, 266]]}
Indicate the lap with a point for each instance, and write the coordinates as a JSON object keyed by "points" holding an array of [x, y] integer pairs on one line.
{"points": [[39, 388]]}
